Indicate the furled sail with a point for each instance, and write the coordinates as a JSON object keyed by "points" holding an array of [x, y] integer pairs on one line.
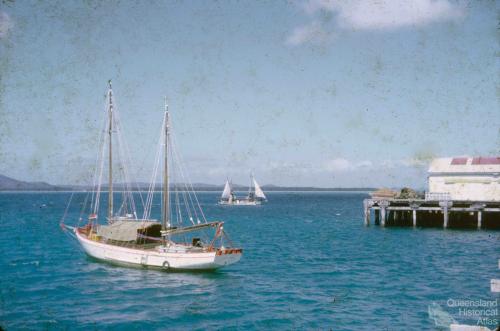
{"points": [[227, 191], [259, 194]]}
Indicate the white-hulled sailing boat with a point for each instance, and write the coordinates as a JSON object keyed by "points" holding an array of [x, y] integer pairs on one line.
{"points": [[168, 244], [255, 195]]}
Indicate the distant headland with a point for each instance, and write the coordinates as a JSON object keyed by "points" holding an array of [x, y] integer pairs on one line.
{"points": [[11, 184]]}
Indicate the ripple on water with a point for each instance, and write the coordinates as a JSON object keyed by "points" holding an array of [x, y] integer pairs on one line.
{"points": [[309, 263]]}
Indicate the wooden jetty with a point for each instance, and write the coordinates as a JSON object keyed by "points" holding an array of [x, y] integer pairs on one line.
{"points": [[463, 192], [432, 211]]}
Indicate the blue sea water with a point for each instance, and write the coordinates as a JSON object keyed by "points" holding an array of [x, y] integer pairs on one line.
{"points": [[308, 263]]}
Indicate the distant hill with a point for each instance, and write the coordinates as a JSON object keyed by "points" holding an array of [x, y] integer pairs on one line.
{"points": [[270, 188], [10, 184]]}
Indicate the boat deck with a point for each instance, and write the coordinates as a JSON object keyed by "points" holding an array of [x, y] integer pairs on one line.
{"points": [[134, 245]]}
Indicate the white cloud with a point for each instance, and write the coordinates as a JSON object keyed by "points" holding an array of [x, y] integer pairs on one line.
{"points": [[389, 164], [313, 32], [341, 164], [415, 162], [409, 162], [5, 24], [375, 15], [364, 164], [387, 14], [334, 172]]}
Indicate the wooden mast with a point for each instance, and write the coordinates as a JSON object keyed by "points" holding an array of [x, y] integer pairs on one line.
{"points": [[110, 156], [166, 198]]}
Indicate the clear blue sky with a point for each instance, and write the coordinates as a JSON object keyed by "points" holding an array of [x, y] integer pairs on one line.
{"points": [[322, 93]]}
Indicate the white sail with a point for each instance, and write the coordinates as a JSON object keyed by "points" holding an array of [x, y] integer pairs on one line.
{"points": [[259, 194], [227, 191]]}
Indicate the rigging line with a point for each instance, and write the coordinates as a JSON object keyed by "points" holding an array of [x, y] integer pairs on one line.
{"points": [[141, 169], [101, 167], [179, 156], [122, 162], [150, 198], [121, 168], [116, 127], [190, 204], [152, 183], [227, 238], [96, 188], [188, 181], [188, 201], [94, 199], [187, 205], [173, 195], [96, 166], [67, 207], [177, 202], [178, 206], [71, 234], [127, 153], [153, 178], [126, 189], [84, 206], [99, 181], [125, 160], [159, 150]]}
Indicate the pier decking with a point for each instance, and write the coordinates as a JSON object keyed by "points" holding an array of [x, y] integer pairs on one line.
{"points": [[432, 212]]}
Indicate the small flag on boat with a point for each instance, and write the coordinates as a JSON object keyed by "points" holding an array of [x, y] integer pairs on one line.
{"points": [[92, 216]]}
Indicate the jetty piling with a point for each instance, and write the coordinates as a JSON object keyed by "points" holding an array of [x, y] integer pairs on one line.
{"points": [[432, 213]]}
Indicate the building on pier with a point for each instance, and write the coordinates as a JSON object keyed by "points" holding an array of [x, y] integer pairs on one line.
{"points": [[466, 178], [462, 192]]}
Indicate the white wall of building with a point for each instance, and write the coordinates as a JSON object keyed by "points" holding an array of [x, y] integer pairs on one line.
{"points": [[465, 182], [485, 188]]}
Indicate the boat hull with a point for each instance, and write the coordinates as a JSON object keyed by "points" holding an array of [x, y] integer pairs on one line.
{"points": [[158, 259], [240, 203]]}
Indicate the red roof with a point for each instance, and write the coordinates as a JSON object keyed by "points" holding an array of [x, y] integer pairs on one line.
{"points": [[459, 161], [486, 160]]}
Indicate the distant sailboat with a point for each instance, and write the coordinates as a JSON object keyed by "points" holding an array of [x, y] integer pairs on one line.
{"points": [[169, 244], [255, 195], [227, 194]]}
